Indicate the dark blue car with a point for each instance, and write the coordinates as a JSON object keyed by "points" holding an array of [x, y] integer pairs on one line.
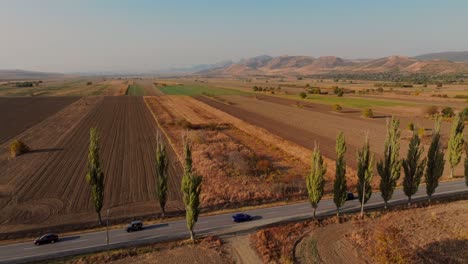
{"points": [[241, 218]]}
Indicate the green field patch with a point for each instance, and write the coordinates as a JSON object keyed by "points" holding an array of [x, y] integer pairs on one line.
{"points": [[198, 90], [135, 90], [352, 102]]}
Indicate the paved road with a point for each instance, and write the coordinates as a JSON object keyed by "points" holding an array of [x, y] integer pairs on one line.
{"points": [[217, 224]]}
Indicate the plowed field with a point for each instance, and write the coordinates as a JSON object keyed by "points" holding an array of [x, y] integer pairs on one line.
{"points": [[19, 113], [56, 192]]}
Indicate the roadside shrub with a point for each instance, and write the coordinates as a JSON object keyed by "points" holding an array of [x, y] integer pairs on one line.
{"points": [[464, 114], [337, 108], [439, 84], [447, 112], [303, 95], [432, 110], [89, 83], [421, 132], [368, 113], [263, 167], [17, 147], [461, 96], [411, 126], [255, 88], [380, 90]]}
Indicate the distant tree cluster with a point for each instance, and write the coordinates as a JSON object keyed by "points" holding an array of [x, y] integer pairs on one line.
{"points": [[27, 84]]}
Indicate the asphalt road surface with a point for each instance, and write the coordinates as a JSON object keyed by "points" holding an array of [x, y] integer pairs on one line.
{"points": [[217, 224]]}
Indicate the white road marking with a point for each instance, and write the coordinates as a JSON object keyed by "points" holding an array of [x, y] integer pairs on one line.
{"points": [[79, 240], [30, 248]]}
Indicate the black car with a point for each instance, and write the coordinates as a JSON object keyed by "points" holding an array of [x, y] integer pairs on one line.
{"points": [[241, 218], [350, 196], [136, 225], [45, 239]]}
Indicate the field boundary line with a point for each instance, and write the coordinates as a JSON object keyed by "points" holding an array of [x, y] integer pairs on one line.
{"points": [[270, 139], [161, 128]]}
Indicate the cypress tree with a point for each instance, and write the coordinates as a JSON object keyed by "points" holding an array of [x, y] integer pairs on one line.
{"points": [[456, 142], [389, 168], [413, 167], [365, 173], [161, 165], [95, 176], [314, 180], [339, 185], [435, 161], [191, 189]]}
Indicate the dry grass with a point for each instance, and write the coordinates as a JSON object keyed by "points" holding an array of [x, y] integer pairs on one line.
{"points": [[238, 169]]}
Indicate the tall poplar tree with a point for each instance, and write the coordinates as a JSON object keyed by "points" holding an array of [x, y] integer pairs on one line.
{"points": [[191, 189], [365, 173], [339, 185], [413, 167], [390, 167], [435, 161], [161, 164], [95, 176], [315, 179], [456, 142]]}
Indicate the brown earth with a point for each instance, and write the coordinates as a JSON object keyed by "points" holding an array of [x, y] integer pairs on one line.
{"points": [[434, 234], [52, 190], [209, 250], [311, 123], [21, 113], [237, 168]]}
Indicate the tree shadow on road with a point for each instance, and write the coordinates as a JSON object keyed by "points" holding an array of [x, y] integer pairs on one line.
{"points": [[154, 226], [69, 238]]}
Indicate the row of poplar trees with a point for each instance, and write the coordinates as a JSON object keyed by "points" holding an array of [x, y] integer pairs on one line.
{"points": [[389, 168], [191, 183]]}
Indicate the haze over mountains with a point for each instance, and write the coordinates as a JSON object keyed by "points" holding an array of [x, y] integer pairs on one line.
{"points": [[436, 63]]}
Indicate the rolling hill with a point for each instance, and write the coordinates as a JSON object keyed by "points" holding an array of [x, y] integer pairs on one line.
{"points": [[455, 56], [12, 75], [305, 65]]}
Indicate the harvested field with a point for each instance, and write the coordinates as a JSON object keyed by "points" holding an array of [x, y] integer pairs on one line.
{"points": [[19, 114], [313, 123], [54, 192], [237, 167]]}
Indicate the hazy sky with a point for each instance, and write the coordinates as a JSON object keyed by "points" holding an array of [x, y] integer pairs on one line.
{"points": [[144, 35]]}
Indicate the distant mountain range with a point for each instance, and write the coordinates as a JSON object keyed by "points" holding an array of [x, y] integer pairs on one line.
{"points": [[437, 63], [12, 75], [456, 56]]}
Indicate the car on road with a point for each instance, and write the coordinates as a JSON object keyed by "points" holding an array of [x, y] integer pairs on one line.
{"points": [[46, 239], [241, 218], [350, 196], [136, 225]]}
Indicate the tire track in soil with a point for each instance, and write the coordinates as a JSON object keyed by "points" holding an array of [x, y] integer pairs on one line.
{"points": [[127, 136]]}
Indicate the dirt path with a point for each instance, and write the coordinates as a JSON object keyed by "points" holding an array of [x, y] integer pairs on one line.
{"points": [[241, 251], [329, 244]]}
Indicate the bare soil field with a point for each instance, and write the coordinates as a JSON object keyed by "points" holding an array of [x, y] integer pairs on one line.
{"points": [[237, 167], [19, 114], [54, 192], [312, 123]]}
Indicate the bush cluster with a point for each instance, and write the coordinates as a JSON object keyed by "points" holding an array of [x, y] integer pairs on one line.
{"points": [[17, 147]]}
